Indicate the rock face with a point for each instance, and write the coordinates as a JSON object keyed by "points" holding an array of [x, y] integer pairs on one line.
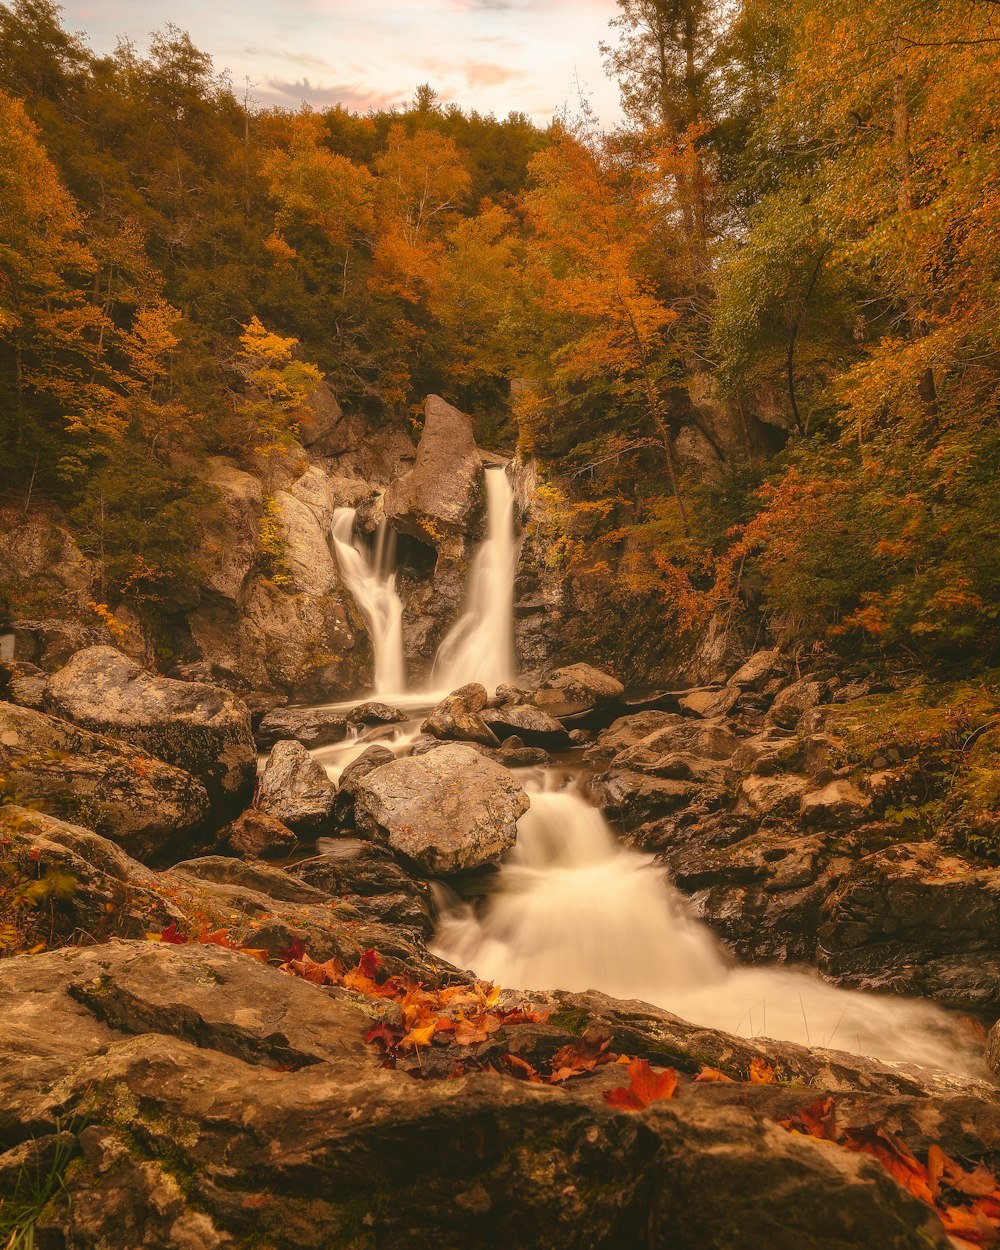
{"points": [[199, 728], [122, 792], [447, 810], [256, 835], [295, 790], [915, 919]]}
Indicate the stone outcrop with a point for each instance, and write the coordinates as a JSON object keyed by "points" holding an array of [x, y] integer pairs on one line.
{"points": [[445, 811], [119, 790], [199, 728], [313, 727], [209, 1101], [434, 500]]}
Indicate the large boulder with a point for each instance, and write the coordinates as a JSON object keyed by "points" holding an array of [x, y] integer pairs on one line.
{"points": [[433, 502], [837, 805], [116, 789], [76, 885], [447, 810], [533, 725], [199, 728], [295, 789], [578, 688]]}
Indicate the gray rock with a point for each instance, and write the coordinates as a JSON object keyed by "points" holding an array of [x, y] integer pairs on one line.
{"points": [[457, 717], [375, 713], [435, 499], [115, 788], [771, 796], [578, 688], [836, 806], [109, 894], [754, 673], [993, 1049], [256, 835], [296, 790], [201, 729], [794, 701], [533, 725], [447, 810], [916, 919], [313, 727]]}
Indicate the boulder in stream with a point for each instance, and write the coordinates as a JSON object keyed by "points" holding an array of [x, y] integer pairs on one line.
{"points": [[295, 789], [578, 688], [447, 810], [458, 717], [313, 727]]}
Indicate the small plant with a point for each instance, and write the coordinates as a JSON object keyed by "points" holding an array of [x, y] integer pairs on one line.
{"points": [[38, 1184], [271, 543]]}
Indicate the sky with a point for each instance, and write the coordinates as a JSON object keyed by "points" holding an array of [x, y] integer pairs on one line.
{"points": [[529, 56]]}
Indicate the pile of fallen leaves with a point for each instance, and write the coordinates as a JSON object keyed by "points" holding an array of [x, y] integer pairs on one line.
{"points": [[966, 1199]]}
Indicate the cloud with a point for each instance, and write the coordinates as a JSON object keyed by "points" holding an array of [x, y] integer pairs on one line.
{"points": [[351, 95], [293, 58], [484, 74]]}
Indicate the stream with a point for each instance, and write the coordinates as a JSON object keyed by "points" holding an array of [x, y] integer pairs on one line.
{"points": [[570, 907]]}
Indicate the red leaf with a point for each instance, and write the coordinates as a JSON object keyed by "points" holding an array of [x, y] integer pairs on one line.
{"points": [[294, 950], [371, 961], [170, 934], [384, 1034], [645, 1086]]}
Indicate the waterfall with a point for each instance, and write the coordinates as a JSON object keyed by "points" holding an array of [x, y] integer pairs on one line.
{"points": [[572, 909], [373, 585], [480, 646]]}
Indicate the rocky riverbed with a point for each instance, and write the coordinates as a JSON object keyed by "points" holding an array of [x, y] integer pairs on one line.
{"points": [[215, 1037]]}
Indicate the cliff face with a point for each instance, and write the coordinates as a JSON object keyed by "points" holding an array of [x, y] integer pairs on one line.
{"points": [[267, 609]]}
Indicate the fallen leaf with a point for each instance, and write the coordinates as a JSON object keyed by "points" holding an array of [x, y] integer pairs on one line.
{"points": [[761, 1073], [645, 1086], [713, 1074]]}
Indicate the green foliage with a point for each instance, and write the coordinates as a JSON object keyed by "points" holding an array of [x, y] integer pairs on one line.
{"points": [[40, 1183]]}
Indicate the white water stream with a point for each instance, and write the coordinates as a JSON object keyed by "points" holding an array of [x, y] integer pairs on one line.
{"points": [[572, 909], [372, 582], [480, 646]]}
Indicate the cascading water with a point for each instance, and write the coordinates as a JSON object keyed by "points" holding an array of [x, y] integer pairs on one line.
{"points": [[480, 646], [373, 585], [573, 910]]}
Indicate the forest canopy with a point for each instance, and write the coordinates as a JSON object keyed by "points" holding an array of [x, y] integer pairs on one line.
{"points": [[751, 333]]}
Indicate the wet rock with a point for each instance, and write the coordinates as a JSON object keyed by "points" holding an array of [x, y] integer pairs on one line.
{"points": [[313, 727], [625, 732], [709, 703], [27, 686], [634, 797], [371, 758], [296, 790], [836, 806], [792, 703], [117, 789], [531, 724], [578, 688], [375, 713], [457, 717], [366, 875], [256, 835], [915, 919], [447, 810], [262, 878], [435, 499], [993, 1049], [201, 729]]}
